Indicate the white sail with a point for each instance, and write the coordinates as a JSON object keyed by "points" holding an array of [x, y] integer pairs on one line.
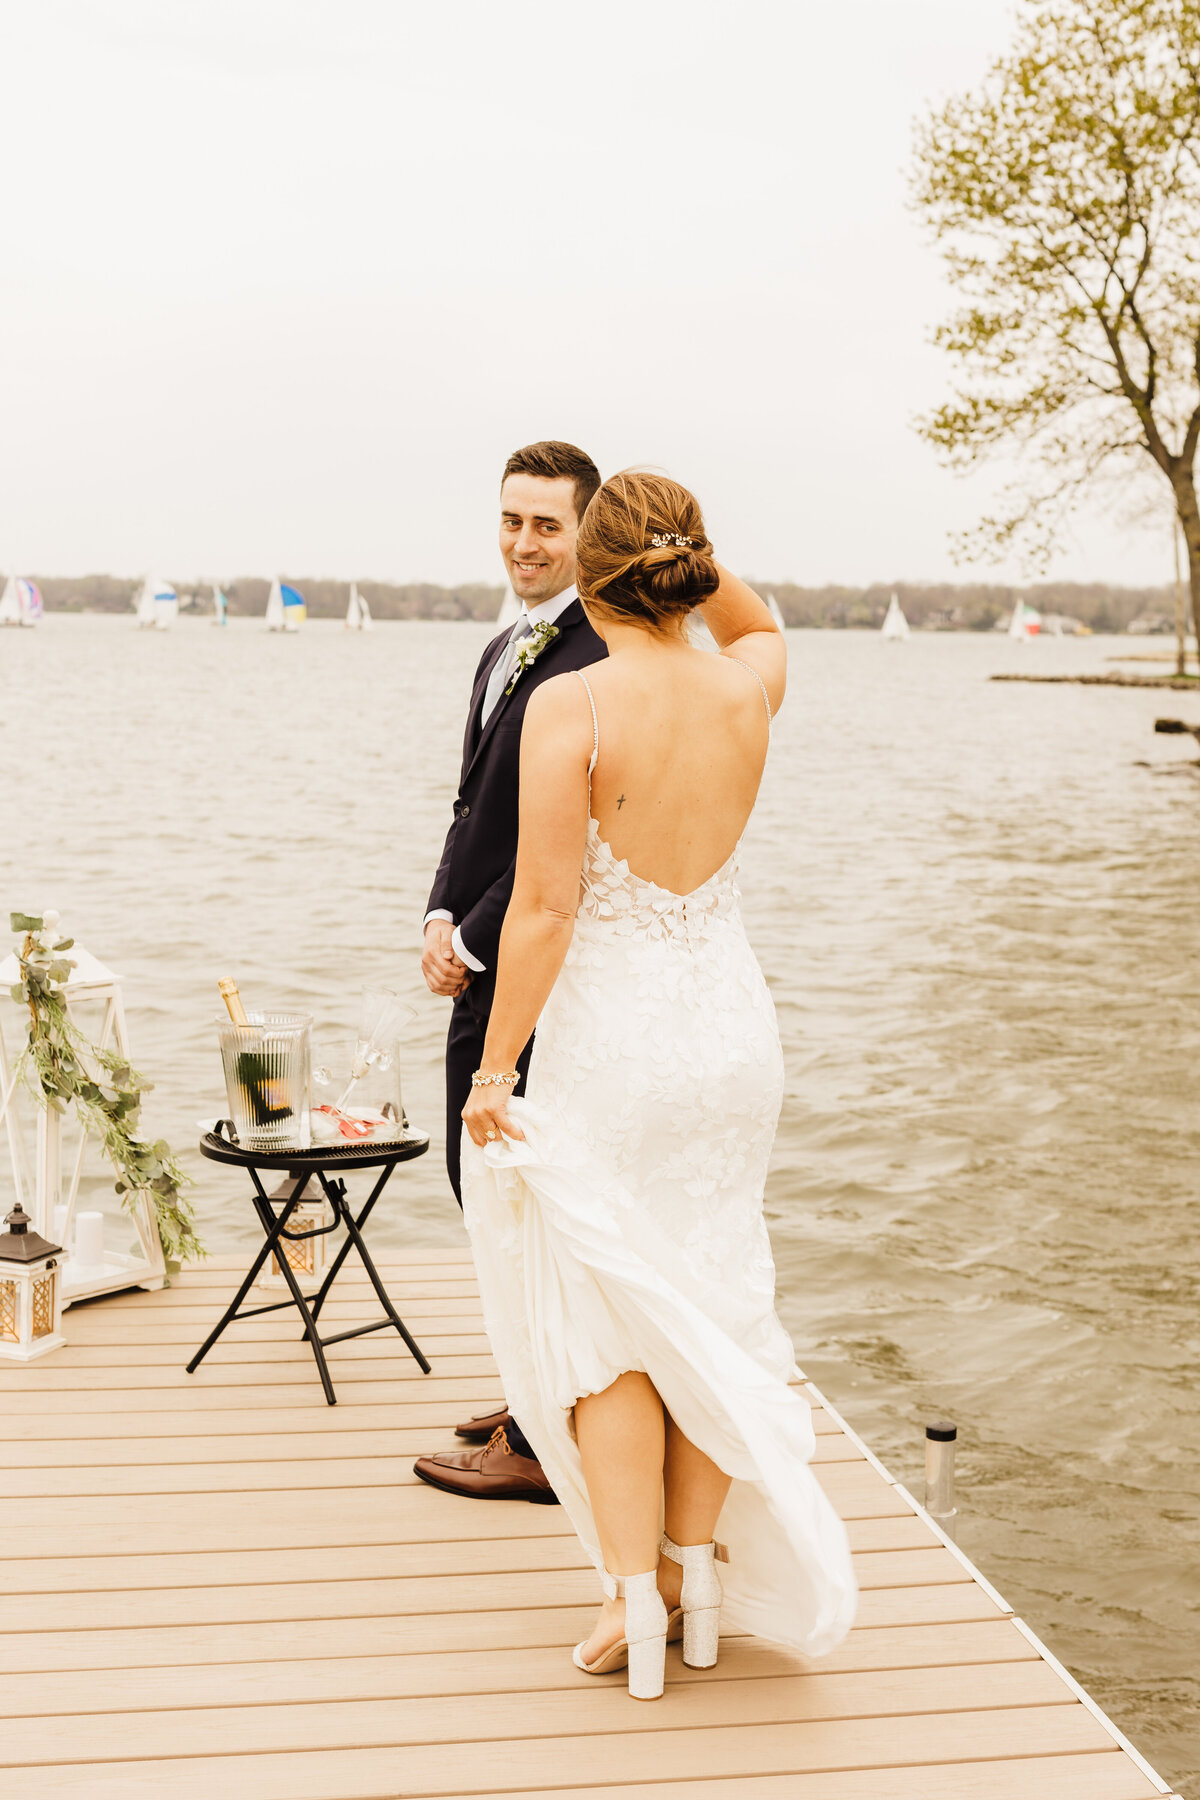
{"points": [[274, 614], [220, 606], [773, 609], [166, 606], [10, 605], [143, 606], [895, 626], [354, 609], [1025, 623], [510, 610], [365, 621]]}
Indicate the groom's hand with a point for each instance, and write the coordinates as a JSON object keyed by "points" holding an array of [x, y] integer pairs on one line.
{"points": [[443, 972]]}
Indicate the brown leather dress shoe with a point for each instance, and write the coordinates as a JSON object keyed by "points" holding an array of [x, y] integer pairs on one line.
{"points": [[479, 1429], [495, 1472]]}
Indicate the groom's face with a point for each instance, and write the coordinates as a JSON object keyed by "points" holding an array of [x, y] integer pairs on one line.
{"points": [[538, 528]]}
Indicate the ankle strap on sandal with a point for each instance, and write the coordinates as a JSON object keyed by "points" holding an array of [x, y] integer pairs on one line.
{"points": [[676, 1552], [614, 1585]]}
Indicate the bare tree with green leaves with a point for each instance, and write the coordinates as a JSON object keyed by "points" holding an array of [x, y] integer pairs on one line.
{"points": [[1066, 196]]}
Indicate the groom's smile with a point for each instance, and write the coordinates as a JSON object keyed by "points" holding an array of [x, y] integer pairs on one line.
{"points": [[538, 526]]}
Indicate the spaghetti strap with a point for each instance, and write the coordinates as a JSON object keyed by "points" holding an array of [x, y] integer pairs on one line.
{"points": [[595, 727], [762, 685]]}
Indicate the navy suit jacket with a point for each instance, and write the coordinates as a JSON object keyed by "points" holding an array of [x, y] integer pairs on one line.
{"points": [[475, 876]]}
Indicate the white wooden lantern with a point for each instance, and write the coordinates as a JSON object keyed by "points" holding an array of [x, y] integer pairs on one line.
{"points": [[30, 1291], [306, 1256], [40, 1190]]}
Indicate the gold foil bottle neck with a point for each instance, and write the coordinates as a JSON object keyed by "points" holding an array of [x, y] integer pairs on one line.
{"points": [[228, 990]]}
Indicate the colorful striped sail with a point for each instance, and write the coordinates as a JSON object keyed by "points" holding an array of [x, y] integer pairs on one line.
{"points": [[294, 610], [29, 600]]}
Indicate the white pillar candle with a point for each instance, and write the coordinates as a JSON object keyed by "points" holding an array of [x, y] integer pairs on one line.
{"points": [[89, 1239]]}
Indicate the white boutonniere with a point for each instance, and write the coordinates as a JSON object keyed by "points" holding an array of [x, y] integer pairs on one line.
{"points": [[541, 635]]}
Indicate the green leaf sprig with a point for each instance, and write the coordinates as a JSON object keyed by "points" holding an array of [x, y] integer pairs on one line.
{"points": [[62, 1070]]}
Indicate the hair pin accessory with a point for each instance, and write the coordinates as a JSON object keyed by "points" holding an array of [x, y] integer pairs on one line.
{"points": [[661, 539]]}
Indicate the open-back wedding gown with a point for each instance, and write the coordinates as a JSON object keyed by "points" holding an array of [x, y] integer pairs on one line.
{"points": [[627, 1232]]}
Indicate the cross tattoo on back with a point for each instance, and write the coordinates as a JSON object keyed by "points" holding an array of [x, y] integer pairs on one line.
{"points": [[620, 802]]}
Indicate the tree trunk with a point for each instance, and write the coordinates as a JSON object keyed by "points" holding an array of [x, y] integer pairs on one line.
{"points": [[1189, 518]]}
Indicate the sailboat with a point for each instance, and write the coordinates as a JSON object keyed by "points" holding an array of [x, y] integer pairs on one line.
{"points": [[157, 605], [274, 612], [21, 602], [29, 599], [358, 613], [895, 627], [510, 611], [220, 606], [1025, 623], [294, 609], [143, 606], [773, 609], [166, 606]]}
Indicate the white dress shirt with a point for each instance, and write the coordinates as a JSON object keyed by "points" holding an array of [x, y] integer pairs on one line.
{"points": [[547, 612]]}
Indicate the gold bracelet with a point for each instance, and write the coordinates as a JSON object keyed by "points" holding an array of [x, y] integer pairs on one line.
{"points": [[479, 1079]]}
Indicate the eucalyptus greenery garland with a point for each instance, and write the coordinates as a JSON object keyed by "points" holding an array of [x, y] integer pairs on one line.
{"points": [[105, 1091]]}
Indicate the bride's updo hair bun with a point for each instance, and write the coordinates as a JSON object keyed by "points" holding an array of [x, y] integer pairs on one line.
{"points": [[642, 554]]}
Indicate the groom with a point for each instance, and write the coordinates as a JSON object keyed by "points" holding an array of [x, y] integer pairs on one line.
{"points": [[544, 491]]}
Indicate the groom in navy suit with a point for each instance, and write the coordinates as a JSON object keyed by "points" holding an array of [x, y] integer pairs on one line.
{"points": [[544, 492]]}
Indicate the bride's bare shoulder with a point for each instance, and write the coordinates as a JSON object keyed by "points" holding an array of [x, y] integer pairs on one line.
{"points": [[556, 706]]}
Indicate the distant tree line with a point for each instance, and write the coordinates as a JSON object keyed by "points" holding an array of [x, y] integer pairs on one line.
{"points": [[948, 606], [248, 596], [975, 606]]}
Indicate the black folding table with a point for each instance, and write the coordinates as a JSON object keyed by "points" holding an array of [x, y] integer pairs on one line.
{"points": [[327, 1162]]}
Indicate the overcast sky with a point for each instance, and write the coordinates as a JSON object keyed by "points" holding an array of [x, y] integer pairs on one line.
{"points": [[285, 280]]}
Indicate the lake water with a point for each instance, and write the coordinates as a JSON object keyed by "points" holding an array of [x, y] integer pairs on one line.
{"points": [[978, 906]]}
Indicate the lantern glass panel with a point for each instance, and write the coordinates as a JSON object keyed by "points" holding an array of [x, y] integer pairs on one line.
{"points": [[303, 1256], [43, 1306], [8, 1312], [299, 1256]]}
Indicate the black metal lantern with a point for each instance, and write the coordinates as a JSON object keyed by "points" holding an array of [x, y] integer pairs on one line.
{"points": [[30, 1290]]}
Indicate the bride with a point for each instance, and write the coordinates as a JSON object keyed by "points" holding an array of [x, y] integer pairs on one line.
{"points": [[615, 1213]]}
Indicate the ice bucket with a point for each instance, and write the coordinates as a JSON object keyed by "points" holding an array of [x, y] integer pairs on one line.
{"points": [[266, 1064]]}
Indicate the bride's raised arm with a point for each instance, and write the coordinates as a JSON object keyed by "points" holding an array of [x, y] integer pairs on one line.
{"points": [[742, 626], [556, 747]]}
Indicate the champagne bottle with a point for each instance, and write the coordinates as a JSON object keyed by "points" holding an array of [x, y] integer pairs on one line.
{"points": [[228, 990], [256, 1073]]}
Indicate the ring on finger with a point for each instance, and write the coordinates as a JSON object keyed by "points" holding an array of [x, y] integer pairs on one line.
{"points": [[491, 1135]]}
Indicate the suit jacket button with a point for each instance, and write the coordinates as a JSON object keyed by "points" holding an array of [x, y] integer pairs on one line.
{"points": [[463, 810]]}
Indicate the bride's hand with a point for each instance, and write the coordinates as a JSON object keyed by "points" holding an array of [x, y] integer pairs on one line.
{"points": [[486, 1116]]}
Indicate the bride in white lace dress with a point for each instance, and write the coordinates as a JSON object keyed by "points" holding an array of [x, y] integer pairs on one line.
{"points": [[616, 1213]]}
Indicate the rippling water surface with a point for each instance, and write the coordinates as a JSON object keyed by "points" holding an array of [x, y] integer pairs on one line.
{"points": [[979, 910]]}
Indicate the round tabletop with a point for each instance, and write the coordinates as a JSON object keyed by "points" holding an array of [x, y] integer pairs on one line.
{"points": [[318, 1156]]}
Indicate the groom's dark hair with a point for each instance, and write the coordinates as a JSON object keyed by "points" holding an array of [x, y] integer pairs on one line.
{"points": [[554, 461]]}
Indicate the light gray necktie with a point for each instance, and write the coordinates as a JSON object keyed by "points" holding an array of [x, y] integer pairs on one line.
{"points": [[498, 679]]}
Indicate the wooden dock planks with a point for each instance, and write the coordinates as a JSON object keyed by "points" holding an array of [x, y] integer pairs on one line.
{"points": [[222, 1586]]}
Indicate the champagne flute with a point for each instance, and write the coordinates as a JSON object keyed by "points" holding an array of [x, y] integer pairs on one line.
{"points": [[384, 1016]]}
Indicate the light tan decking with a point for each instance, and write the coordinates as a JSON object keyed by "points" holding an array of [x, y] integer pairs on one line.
{"points": [[219, 1588]]}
